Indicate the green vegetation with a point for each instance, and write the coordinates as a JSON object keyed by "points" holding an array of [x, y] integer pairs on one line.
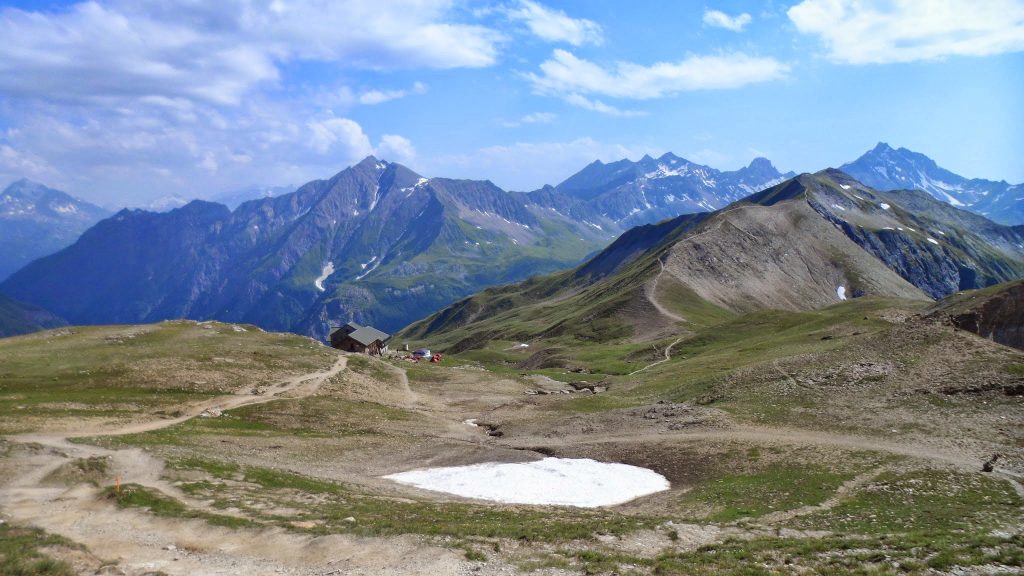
{"points": [[835, 555], [379, 515], [922, 502], [133, 495], [373, 368], [124, 371], [772, 489], [313, 417], [21, 552]]}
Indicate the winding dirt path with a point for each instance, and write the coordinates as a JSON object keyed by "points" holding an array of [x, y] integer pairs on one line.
{"points": [[142, 542], [668, 356], [651, 291]]}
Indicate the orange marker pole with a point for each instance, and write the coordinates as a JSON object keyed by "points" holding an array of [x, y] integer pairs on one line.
{"points": [[118, 487]]}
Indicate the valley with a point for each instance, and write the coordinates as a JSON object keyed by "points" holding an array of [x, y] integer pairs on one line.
{"points": [[511, 288], [845, 439], [779, 368]]}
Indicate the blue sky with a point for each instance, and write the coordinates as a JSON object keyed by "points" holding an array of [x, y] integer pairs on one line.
{"points": [[122, 102]]}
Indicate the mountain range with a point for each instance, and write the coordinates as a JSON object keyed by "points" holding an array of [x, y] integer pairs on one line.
{"points": [[17, 318], [380, 244], [623, 194], [36, 221], [377, 244], [807, 243], [885, 168]]}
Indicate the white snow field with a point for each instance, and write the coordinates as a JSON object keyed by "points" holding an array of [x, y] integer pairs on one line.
{"points": [[327, 271], [577, 482], [841, 292]]}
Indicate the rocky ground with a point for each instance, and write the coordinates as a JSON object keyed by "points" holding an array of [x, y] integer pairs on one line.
{"points": [[871, 451]]}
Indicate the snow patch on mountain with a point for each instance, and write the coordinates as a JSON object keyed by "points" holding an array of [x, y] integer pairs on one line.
{"points": [[579, 482], [328, 269]]}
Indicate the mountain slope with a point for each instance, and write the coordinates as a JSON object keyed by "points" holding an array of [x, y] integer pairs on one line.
{"points": [[804, 244], [996, 313], [376, 243], [36, 221], [17, 318], [884, 168]]}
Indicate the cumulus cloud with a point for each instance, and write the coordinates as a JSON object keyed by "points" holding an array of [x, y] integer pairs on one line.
{"points": [[566, 73], [122, 99], [555, 25], [872, 32], [719, 19], [217, 51], [396, 148], [339, 133]]}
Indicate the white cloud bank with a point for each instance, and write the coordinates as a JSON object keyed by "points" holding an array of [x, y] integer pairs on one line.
{"points": [[566, 73], [876, 32], [131, 98], [555, 25], [719, 19], [215, 52]]}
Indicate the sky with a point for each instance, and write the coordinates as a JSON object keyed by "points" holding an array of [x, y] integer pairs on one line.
{"points": [[121, 102]]}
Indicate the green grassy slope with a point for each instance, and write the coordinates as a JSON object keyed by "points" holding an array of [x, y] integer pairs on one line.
{"points": [[118, 372]]}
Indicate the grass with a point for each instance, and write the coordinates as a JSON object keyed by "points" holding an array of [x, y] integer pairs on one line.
{"points": [[376, 369], [922, 502], [383, 516], [136, 496], [841, 555], [775, 488], [22, 554], [121, 371], [315, 417]]}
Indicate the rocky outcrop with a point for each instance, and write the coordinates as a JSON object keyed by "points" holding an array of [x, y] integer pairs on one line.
{"points": [[998, 317]]}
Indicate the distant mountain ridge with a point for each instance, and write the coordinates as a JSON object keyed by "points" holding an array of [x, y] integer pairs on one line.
{"points": [[377, 243], [806, 243], [17, 318], [36, 221], [885, 168], [623, 194]]}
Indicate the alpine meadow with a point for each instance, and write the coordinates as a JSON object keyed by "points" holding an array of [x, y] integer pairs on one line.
{"points": [[511, 287]]}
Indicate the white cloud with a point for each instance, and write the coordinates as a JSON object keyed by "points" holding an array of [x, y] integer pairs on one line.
{"points": [[122, 101], [216, 52], [564, 72], [555, 25], [396, 148], [532, 118], [872, 32], [325, 135], [530, 165], [209, 162], [598, 106], [380, 96], [720, 19]]}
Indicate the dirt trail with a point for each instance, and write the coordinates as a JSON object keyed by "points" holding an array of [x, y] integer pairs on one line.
{"points": [[144, 543], [937, 454], [830, 503], [668, 356], [651, 291]]}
